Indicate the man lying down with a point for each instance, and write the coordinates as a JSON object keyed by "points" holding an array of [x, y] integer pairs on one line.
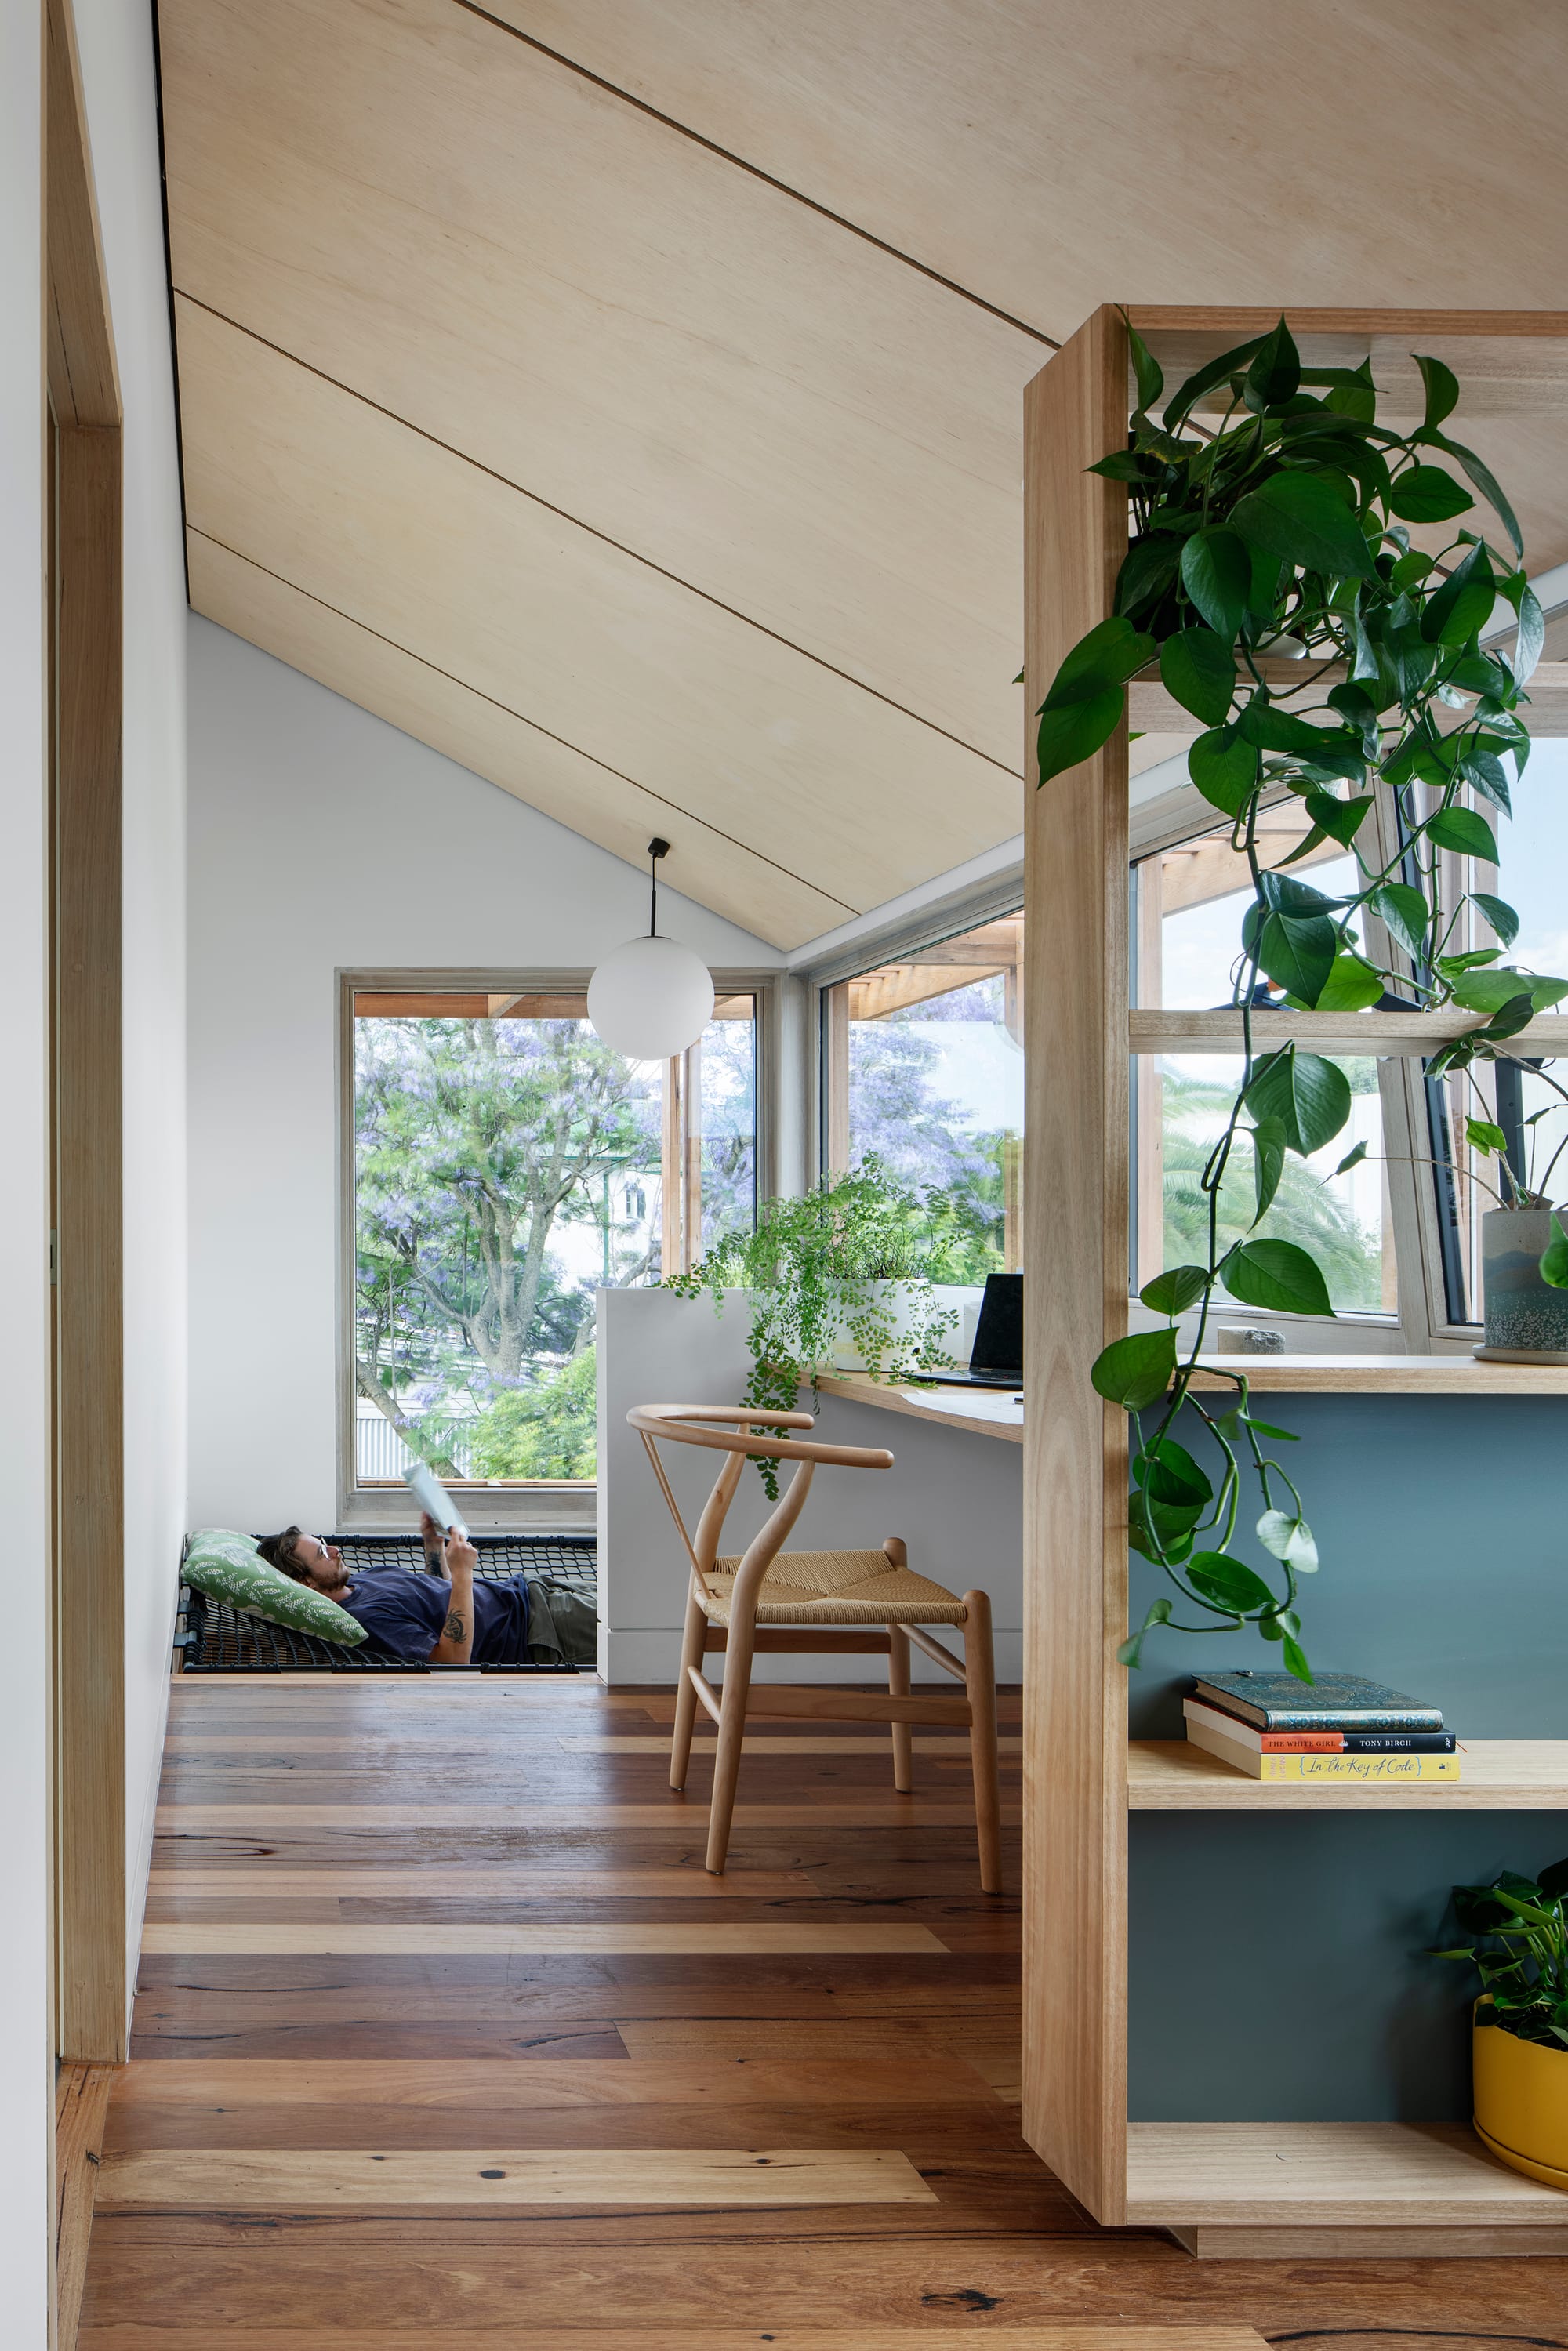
{"points": [[442, 1617]]}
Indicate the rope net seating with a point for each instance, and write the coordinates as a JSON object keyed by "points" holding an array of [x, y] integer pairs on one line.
{"points": [[218, 1638]]}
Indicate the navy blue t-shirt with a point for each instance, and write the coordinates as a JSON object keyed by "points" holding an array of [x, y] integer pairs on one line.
{"points": [[403, 1612]]}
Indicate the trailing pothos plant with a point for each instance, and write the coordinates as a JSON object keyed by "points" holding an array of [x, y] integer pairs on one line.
{"points": [[817, 1270], [1282, 528]]}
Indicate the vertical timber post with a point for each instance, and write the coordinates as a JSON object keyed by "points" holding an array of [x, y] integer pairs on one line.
{"points": [[1075, 1203]]}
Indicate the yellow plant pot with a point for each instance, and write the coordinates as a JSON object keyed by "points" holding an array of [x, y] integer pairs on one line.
{"points": [[1521, 2102]]}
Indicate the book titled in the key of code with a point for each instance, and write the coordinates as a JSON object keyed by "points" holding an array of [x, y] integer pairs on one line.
{"points": [[1332, 1702]]}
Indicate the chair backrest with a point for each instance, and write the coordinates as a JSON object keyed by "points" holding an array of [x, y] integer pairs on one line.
{"points": [[728, 1429]]}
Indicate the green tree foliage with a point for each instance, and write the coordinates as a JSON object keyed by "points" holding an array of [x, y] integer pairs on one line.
{"points": [[548, 1430]]}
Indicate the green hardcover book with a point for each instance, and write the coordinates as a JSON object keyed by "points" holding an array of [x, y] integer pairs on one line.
{"points": [[1332, 1702]]}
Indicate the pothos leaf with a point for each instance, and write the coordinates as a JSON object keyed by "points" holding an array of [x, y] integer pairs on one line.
{"points": [[1217, 572], [1442, 391], [1224, 768], [1173, 1292], [1131, 1652], [1462, 830], [1146, 369], [1198, 671], [1296, 1660], [1227, 1584], [1555, 1257], [1498, 913], [1309, 1096], [1268, 1162], [1277, 1275], [1135, 1370], [1290, 1539], [1302, 518]]}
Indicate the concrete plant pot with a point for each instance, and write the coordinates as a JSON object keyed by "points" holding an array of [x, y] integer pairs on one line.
{"points": [[1526, 1319]]}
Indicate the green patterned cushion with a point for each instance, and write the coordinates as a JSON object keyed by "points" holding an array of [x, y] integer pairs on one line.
{"points": [[229, 1567]]}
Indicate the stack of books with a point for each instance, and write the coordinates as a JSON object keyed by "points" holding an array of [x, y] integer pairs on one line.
{"points": [[1273, 1727]]}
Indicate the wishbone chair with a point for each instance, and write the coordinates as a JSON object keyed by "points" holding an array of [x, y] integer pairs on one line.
{"points": [[768, 1598]]}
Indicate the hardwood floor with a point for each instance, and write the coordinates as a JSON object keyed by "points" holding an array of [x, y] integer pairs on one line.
{"points": [[444, 2041]]}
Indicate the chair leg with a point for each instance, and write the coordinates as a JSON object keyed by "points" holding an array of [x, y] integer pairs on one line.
{"points": [[898, 1686], [685, 1697], [980, 1681], [733, 1699]]}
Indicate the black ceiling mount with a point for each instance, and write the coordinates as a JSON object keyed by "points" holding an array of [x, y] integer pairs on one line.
{"points": [[656, 849]]}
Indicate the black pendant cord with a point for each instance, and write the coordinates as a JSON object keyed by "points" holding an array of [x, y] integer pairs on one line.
{"points": [[656, 849]]}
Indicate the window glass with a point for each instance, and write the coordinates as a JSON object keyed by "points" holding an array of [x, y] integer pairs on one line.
{"points": [[1523, 1099], [1188, 904], [507, 1163], [924, 1068], [1184, 1100], [1191, 900]]}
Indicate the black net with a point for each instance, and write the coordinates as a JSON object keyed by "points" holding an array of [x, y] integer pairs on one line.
{"points": [[218, 1638]]}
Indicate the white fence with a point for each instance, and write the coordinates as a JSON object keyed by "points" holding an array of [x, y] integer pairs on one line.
{"points": [[383, 1454]]}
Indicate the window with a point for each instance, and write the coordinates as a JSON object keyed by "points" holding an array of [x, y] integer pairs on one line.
{"points": [[1522, 1098], [1419, 1180], [1188, 902], [503, 1164], [922, 1067]]}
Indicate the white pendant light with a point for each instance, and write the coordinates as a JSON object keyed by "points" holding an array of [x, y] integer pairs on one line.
{"points": [[652, 997]]}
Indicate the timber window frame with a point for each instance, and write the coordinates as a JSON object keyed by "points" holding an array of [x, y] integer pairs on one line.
{"points": [[522, 1506], [826, 1072]]}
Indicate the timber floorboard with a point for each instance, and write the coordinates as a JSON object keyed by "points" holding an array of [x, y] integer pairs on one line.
{"points": [[434, 1985]]}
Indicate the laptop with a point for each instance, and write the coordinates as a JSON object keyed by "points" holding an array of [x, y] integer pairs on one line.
{"points": [[996, 1359]]}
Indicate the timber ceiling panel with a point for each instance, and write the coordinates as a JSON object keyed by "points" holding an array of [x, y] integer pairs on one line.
{"points": [[548, 620], [667, 470], [1050, 155], [492, 741]]}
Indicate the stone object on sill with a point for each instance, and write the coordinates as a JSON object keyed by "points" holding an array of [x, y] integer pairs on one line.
{"points": [[1255, 1342]]}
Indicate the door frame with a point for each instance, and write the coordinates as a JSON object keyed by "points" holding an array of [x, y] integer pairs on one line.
{"points": [[84, 634]]}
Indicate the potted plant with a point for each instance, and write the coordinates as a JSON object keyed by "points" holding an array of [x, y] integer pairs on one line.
{"points": [[841, 1278], [1287, 515], [1518, 1931], [1524, 1252]]}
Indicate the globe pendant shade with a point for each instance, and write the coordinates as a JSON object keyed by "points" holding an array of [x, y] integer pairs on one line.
{"points": [[651, 998]]}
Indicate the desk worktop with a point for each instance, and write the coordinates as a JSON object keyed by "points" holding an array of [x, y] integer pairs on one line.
{"points": [[984, 1413]]}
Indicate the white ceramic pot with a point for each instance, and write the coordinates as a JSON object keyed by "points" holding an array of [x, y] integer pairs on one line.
{"points": [[903, 1305]]}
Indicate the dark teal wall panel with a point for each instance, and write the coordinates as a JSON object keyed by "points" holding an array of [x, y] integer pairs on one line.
{"points": [[1276, 1963]]}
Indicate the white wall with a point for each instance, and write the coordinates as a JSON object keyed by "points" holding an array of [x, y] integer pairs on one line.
{"points": [[956, 1499], [321, 839], [116, 46], [26, 2099]]}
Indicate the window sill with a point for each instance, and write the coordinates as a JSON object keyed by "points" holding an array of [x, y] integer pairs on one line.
{"points": [[1383, 1375]]}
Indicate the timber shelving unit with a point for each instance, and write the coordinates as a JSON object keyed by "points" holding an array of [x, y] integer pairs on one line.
{"points": [[1285, 2188]]}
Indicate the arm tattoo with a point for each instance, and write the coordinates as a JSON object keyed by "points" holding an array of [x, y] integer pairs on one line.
{"points": [[457, 1625]]}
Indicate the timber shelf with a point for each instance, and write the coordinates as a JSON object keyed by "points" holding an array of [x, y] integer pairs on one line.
{"points": [[1383, 1376], [1326, 2188], [1501, 1775]]}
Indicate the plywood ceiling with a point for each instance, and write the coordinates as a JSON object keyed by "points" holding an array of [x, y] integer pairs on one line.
{"points": [[623, 396]]}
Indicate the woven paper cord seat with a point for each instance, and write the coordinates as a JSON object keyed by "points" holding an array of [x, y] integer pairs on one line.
{"points": [[836, 1587]]}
